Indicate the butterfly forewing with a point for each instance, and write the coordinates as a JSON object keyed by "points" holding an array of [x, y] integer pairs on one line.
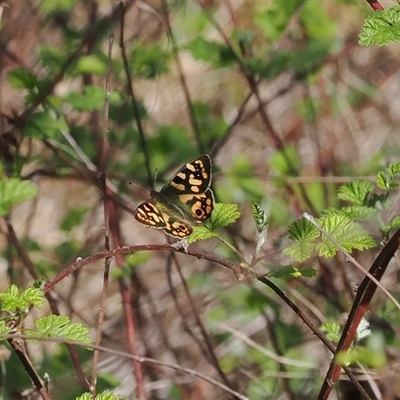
{"points": [[194, 177]]}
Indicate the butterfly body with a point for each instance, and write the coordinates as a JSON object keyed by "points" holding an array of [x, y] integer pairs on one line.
{"points": [[182, 202]]}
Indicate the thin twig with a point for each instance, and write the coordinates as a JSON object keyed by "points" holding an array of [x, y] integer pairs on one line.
{"points": [[103, 183]]}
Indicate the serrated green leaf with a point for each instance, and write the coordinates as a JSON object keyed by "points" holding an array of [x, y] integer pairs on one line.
{"points": [[356, 192], [290, 271], [12, 301], [91, 64], [388, 179], [299, 251], [102, 396], [359, 213], [33, 296], [21, 78], [42, 125], [381, 27], [201, 233], [60, 326], [332, 329], [13, 191], [223, 215], [349, 234], [302, 230], [260, 217]]}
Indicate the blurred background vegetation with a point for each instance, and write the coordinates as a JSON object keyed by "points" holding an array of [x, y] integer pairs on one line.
{"points": [[289, 107]]}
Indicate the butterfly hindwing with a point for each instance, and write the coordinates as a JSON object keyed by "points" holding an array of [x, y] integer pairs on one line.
{"points": [[184, 200]]}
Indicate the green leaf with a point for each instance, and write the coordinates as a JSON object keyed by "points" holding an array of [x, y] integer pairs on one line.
{"points": [[14, 191], [364, 356], [91, 64], [274, 19], [290, 271], [262, 222], [52, 58], [92, 98], [60, 326], [303, 230], [12, 301], [279, 161], [349, 234], [356, 192], [381, 27], [299, 251], [150, 62], [201, 233], [260, 217], [4, 329], [303, 233], [73, 218], [333, 331], [21, 78], [102, 396], [388, 179], [42, 125], [223, 215], [359, 213], [219, 55], [210, 127]]}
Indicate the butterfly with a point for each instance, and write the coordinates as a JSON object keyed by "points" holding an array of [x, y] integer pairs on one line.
{"points": [[185, 200]]}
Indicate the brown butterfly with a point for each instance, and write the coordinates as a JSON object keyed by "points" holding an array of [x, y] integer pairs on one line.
{"points": [[184, 201]]}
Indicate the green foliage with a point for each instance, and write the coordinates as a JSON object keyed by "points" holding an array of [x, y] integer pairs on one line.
{"points": [[356, 192], [349, 234], [150, 61], [91, 64], [219, 55], [44, 125], [59, 326], [101, 396], [209, 126], [260, 217], [290, 271], [262, 223], [73, 217], [381, 27], [388, 179], [279, 161], [21, 78], [13, 191], [343, 224], [332, 330], [222, 215], [362, 355], [91, 99], [13, 302]]}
